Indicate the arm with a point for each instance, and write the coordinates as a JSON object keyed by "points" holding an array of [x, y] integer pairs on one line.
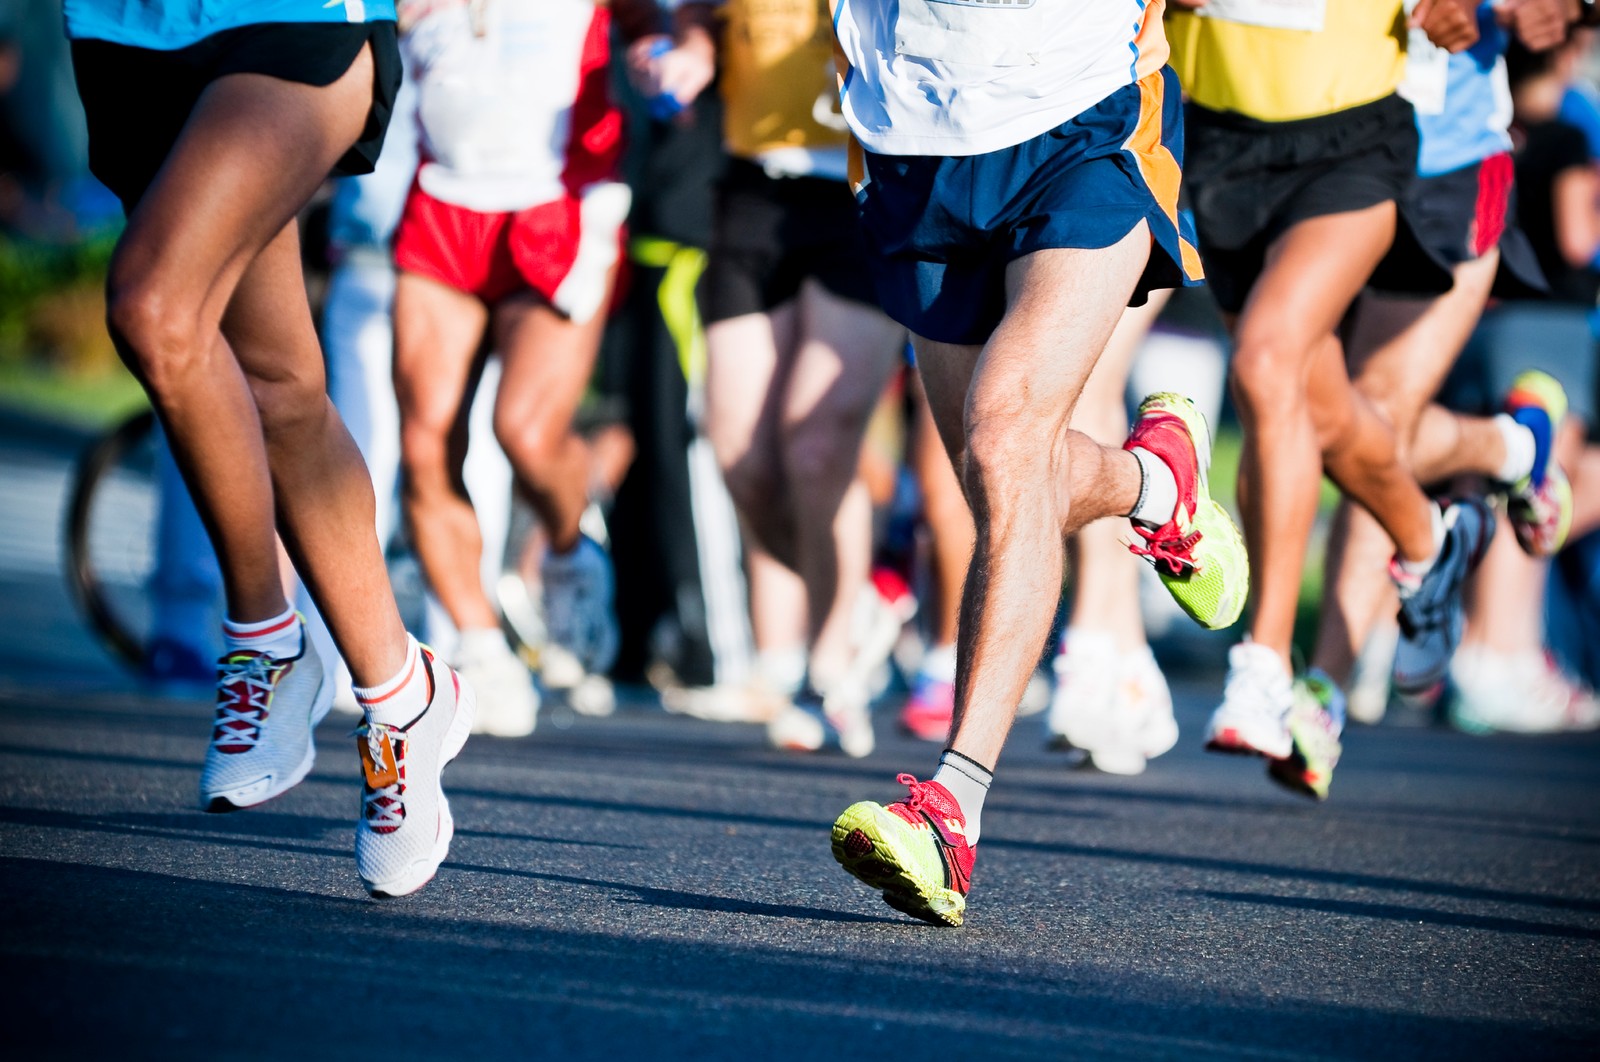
{"points": [[683, 64], [1450, 24], [1575, 210], [1539, 24]]}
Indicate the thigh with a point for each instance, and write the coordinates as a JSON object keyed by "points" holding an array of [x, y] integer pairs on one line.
{"points": [[844, 354], [1313, 273], [252, 152], [548, 361], [747, 369], [437, 333]]}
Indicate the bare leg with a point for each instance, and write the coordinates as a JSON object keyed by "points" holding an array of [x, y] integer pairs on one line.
{"points": [[842, 361], [949, 521], [1287, 369], [548, 362], [1400, 351], [747, 373], [1028, 477], [437, 334], [253, 151]]}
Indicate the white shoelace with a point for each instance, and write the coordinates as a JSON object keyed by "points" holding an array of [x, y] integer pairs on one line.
{"points": [[384, 807], [244, 692]]}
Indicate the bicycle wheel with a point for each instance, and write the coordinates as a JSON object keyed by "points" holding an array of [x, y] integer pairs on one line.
{"points": [[110, 534]]}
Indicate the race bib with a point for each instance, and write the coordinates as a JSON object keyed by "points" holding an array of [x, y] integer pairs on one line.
{"points": [[1276, 14], [975, 32], [1427, 74]]}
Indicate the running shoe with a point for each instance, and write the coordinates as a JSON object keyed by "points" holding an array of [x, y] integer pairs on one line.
{"points": [[1253, 718], [930, 709], [405, 827], [1085, 698], [1368, 701], [579, 609], [1539, 505], [1316, 720], [839, 722], [1199, 553], [1430, 606], [883, 608], [261, 738], [1142, 725], [1519, 693], [508, 703], [914, 851]]}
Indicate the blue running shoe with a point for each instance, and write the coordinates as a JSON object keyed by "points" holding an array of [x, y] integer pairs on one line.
{"points": [[1430, 607]]}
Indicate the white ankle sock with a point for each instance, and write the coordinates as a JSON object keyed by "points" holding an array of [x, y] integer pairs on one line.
{"points": [[968, 781], [784, 668], [1521, 448], [400, 699], [1158, 489], [280, 637], [1417, 569]]}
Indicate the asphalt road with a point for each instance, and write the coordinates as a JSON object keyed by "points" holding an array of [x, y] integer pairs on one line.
{"points": [[656, 886]]}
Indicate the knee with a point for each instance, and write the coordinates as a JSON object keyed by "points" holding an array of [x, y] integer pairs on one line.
{"points": [[1006, 463], [1265, 380], [754, 482], [530, 437], [156, 330], [823, 447]]}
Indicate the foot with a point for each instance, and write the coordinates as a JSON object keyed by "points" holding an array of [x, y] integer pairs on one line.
{"points": [[930, 708], [261, 741], [1143, 726], [1085, 697], [1430, 606], [1253, 719], [1199, 553], [914, 851], [1316, 720], [579, 610], [1539, 505], [1368, 701], [508, 703], [405, 827], [840, 722], [1521, 693]]}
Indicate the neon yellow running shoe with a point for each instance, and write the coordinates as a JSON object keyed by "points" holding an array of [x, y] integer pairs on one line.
{"points": [[914, 851], [1539, 504], [1199, 553], [1315, 723]]}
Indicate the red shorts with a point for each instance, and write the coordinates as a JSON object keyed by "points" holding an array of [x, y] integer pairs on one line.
{"points": [[545, 249]]}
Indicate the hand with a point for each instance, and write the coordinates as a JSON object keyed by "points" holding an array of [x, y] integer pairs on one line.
{"points": [[658, 67], [1538, 24], [1451, 24], [1190, 4]]}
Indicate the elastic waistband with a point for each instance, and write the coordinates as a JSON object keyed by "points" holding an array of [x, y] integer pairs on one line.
{"points": [[1386, 110]]}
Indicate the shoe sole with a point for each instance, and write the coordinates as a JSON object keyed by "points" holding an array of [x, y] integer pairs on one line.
{"points": [[1291, 774], [1230, 741], [422, 871], [254, 794], [863, 848]]}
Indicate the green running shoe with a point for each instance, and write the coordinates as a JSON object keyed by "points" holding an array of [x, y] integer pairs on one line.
{"points": [[914, 851], [1316, 719], [1539, 505], [1199, 553]]}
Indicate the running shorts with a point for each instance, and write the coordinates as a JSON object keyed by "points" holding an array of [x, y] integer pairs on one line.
{"points": [[1250, 181], [545, 249], [770, 233], [943, 230], [137, 100], [1458, 217]]}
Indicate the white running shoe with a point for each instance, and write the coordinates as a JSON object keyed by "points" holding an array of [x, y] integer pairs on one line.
{"points": [[1143, 726], [508, 703], [1085, 697], [405, 827], [883, 608], [1253, 717], [840, 721], [1518, 693], [593, 696], [261, 741], [579, 612], [1368, 699]]}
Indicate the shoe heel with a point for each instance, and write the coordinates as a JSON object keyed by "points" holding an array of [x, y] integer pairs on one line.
{"points": [[455, 739]]}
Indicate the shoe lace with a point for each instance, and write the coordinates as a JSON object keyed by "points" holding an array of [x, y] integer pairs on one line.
{"points": [[244, 695], [384, 807], [918, 795], [1168, 545]]}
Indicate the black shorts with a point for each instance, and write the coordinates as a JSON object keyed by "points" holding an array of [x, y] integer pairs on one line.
{"points": [[1457, 217], [770, 233], [137, 100], [1250, 182]]}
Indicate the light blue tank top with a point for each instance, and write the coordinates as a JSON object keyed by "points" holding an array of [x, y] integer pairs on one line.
{"points": [[1477, 105], [169, 24]]}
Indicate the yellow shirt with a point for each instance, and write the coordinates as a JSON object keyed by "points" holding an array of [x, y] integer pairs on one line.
{"points": [[778, 84], [1279, 75]]}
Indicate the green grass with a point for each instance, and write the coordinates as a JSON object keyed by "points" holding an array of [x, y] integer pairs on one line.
{"points": [[43, 391]]}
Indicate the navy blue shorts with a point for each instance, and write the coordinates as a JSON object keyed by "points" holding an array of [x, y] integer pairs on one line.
{"points": [[943, 230]]}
